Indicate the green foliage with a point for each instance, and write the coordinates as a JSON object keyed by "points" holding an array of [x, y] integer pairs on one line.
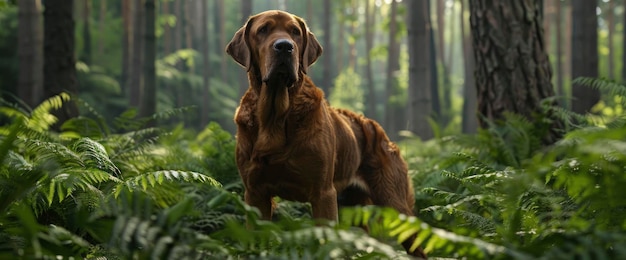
{"points": [[348, 93], [133, 192]]}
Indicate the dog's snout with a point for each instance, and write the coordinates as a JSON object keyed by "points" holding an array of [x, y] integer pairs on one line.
{"points": [[283, 46]]}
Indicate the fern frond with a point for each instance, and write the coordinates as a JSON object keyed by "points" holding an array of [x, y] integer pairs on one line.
{"points": [[392, 224], [152, 179], [41, 119], [605, 85], [94, 155]]}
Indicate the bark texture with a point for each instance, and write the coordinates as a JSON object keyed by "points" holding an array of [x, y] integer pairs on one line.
{"points": [[30, 52], [420, 103], [59, 59], [584, 53], [512, 68]]}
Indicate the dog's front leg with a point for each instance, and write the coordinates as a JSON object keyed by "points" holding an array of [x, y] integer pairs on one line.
{"points": [[262, 202], [324, 205]]}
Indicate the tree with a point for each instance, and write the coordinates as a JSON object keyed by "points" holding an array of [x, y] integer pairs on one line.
{"points": [[136, 73], [584, 53], [148, 101], [610, 20], [419, 100], [512, 68], [30, 52], [370, 19], [127, 43], [206, 65], [59, 61], [469, 122], [394, 114], [559, 49], [86, 15], [624, 43], [327, 58], [246, 11]]}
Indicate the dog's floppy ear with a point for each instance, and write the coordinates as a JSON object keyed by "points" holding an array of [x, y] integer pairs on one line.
{"points": [[238, 46], [312, 48]]}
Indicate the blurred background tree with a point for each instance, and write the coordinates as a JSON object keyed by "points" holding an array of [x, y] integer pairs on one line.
{"points": [[370, 38]]}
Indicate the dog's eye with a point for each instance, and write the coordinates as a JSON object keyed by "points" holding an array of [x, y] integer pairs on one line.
{"points": [[295, 31], [263, 29]]}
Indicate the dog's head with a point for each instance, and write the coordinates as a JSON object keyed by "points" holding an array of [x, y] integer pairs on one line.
{"points": [[276, 45]]}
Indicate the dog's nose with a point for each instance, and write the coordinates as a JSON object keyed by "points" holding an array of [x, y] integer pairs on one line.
{"points": [[283, 45]]}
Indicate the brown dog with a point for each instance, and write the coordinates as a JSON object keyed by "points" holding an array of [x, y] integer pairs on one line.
{"points": [[291, 144]]}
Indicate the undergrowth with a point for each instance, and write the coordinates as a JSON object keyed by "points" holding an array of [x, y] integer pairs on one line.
{"points": [[124, 191]]}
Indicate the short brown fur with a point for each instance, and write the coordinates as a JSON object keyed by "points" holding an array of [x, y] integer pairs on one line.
{"points": [[292, 144]]}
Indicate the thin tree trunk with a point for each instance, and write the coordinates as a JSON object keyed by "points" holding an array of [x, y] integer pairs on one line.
{"points": [[447, 82], [167, 29], [222, 38], [419, 100], [611, 26], [136, 75], [103, 12], [127, 44], [188, 25], [512, 67], [179, 34], [30, 52], [393, 119], [369, 43], [246, 11], [86, 54], [584, 53], [470, 115], [434, 70], [59, 59], [352, 52], [440, 30], [624, 42], [559, 49], [206, 91], [327, 58], [148, 102], [568, 51]]}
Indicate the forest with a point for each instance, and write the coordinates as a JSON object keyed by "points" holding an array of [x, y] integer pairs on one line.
{"points": [[117, 138]]}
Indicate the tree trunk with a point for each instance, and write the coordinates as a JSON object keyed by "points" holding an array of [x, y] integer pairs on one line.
{"points": [[167, 29], [246, 11], [434, 72], [206, 91], [584, 53], [567, 62], [470, 115], [610, 19], [127, 44], [59, 60], [103, 12], [30, 52], [559, 50], [149, 93], [86, 53], [394, 113], [512, 68], [136, 75], [369, 43], [440, 6], [624, 42], [419, 100], [327, 58]]}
